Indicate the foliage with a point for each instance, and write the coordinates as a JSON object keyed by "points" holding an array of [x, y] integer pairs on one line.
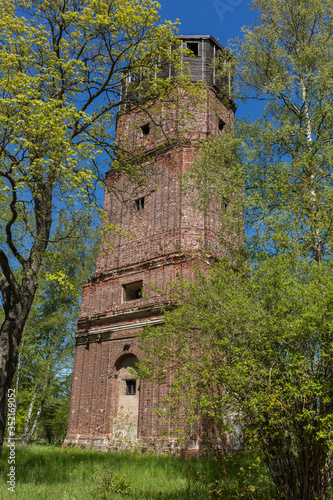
{"points": [[216, 178], [54, 417], [108, 481], [67, 68], [259, 344], [285, 59], [282, 161], [256, 339]]}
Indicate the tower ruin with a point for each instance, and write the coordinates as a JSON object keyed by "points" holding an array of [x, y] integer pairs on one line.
{"points": [[166, 235]]}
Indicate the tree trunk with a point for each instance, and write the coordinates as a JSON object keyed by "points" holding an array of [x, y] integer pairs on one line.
{"points": [[25, 436], [317, 244], [16, 314], [34, 426], [28, 419], [301, 473], [10, 337], [17, 298], [17, 383]]}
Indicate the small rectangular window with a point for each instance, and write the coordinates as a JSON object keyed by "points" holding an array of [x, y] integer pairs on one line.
{"points": [[130, 387], [132, 291], [140, 203], [145, 129], [193, 47]]}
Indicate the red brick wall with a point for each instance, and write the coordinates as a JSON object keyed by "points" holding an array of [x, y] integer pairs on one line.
{"points": [[159, 246]]}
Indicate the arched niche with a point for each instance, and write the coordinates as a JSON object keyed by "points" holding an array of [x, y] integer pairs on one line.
{"points": [[129, 395]]}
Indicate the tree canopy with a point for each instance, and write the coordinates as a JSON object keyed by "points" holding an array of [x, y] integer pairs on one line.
{"points": [[65, 68], [255, 349], [283, 160]]}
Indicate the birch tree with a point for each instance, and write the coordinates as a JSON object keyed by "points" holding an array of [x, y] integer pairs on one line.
{"points": [[286, 61], [283, 160]]}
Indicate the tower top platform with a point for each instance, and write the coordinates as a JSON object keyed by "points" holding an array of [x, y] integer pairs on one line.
{"points": [[202, 61]]}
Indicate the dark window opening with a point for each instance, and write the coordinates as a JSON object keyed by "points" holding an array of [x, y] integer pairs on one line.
{"points": [[221, 124], [145, 129], [130, 387], [140, 204], [193, 47], [132, 291]]}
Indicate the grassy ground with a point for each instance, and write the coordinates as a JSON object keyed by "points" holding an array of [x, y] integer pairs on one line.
{"points": [[44, 472]]}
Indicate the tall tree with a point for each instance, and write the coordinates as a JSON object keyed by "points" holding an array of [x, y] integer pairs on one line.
{"points": [[64, 66], [286, 59], [283, 160]]}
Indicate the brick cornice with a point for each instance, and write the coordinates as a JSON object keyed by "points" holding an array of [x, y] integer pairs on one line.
{"points": [[97, 333], [165, 260], [144, 311]]}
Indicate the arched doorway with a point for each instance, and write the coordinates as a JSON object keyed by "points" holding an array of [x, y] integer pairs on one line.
{"points": [[129, 394]]}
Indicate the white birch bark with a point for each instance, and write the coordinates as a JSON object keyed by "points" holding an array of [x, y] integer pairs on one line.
{"points": [[316, 240], [34, 426], [28, 419]]}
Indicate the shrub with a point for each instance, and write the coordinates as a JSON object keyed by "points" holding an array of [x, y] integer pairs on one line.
{"points": [[108, 481]]}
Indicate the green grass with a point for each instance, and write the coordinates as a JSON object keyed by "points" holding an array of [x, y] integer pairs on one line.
{"points": [[45, 472]]}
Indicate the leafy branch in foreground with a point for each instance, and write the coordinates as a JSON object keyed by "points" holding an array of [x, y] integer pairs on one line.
{"points": [[259, 344], [65, 68]]}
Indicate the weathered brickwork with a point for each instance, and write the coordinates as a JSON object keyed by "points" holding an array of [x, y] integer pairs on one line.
{"points": [[161, 237]]}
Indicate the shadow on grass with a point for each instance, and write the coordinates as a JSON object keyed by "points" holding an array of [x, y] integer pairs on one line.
{"points": [[46, 464], [151, 476]]}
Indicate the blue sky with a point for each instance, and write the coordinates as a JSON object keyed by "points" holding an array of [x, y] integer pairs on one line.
{"points": [[222, 19]]}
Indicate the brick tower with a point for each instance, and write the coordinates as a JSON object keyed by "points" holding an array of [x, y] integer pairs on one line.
{"points": [[166, 236]]}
